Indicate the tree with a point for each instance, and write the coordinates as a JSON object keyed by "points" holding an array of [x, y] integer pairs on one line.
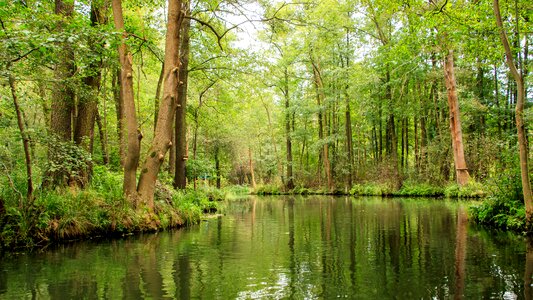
{"points": [[163, 131], [455, 122], [129, 121], [519, 114], [180, 176], [88, 95]]}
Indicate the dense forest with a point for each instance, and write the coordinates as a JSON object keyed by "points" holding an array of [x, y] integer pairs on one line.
{"points": [[119, 115]]}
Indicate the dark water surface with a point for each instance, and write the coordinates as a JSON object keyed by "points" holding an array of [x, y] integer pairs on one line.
{"points": [[289, 247]]}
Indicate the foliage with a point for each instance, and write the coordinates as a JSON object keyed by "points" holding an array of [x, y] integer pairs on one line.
{"points": [[64, 214], [371, 189], [504, 209], [500, 213], [268, 189], [472, 190]]}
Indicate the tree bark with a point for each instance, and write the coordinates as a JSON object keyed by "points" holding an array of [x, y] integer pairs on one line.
{"points": [[455, 123], [217, 166], [133, 145], [88, 98], [290, 181], [251, 165], [25, 141], [64, 94], [519, 115], [116, 84], [349, 139], [163, 131], [180, 178], [63, 98], [103, 142]]}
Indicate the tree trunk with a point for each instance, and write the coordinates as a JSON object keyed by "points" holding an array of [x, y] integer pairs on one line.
{"points": [[103, 142], [133, 145], [455, 122], [116, 84], [163, 131], [25, 142], [349, 139], [217, 166], [519, 115], [180, 178], [88, 98], [290, 181], [62, 100], [158, 94], [64, 94], [251, 165]]}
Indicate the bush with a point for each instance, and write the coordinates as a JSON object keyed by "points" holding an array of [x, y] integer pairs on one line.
{"points": [[504, 209], [500, 213], [268, 189], [472, 190], [371, 189]]}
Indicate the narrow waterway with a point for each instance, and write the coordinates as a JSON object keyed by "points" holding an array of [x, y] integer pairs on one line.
{"points": [[289, 247]]}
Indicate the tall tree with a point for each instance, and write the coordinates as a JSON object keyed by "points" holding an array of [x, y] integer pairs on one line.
{"points": [[131, 128], [62, 106], [519, 114], [180, 179], [163, 131], [88, 97], [455, 122], [289, 183]]}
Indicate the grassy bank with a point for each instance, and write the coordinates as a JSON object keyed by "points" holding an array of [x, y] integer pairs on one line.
{"points": [[408, 189], [100, 210]]}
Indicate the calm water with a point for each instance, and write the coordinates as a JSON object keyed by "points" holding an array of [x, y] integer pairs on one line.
{"points": [[289, 247]]}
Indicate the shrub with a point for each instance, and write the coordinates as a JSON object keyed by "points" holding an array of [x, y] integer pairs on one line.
{"points": [[419, 190], [500, 213], [268, 189], [471, 190], [371, 189]]}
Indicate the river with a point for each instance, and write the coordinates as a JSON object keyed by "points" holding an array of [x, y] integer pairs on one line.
{"points": [[289, 247]]}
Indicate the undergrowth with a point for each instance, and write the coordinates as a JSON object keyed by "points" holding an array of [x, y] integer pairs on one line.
{"points": [[67, 214]]}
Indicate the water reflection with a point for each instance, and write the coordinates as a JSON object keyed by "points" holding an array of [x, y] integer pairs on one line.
{"points": [[290, 247]]}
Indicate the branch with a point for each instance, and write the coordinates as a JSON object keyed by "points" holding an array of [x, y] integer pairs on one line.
{"points": [[219, 37], [23, 55]]}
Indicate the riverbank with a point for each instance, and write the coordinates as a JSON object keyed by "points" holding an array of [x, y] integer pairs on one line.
{"points": [[501, 208], [63, 215], [408, 189]]}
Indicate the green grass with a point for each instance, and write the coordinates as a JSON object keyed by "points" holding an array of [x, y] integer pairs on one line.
{"points": [[68, 214]]}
